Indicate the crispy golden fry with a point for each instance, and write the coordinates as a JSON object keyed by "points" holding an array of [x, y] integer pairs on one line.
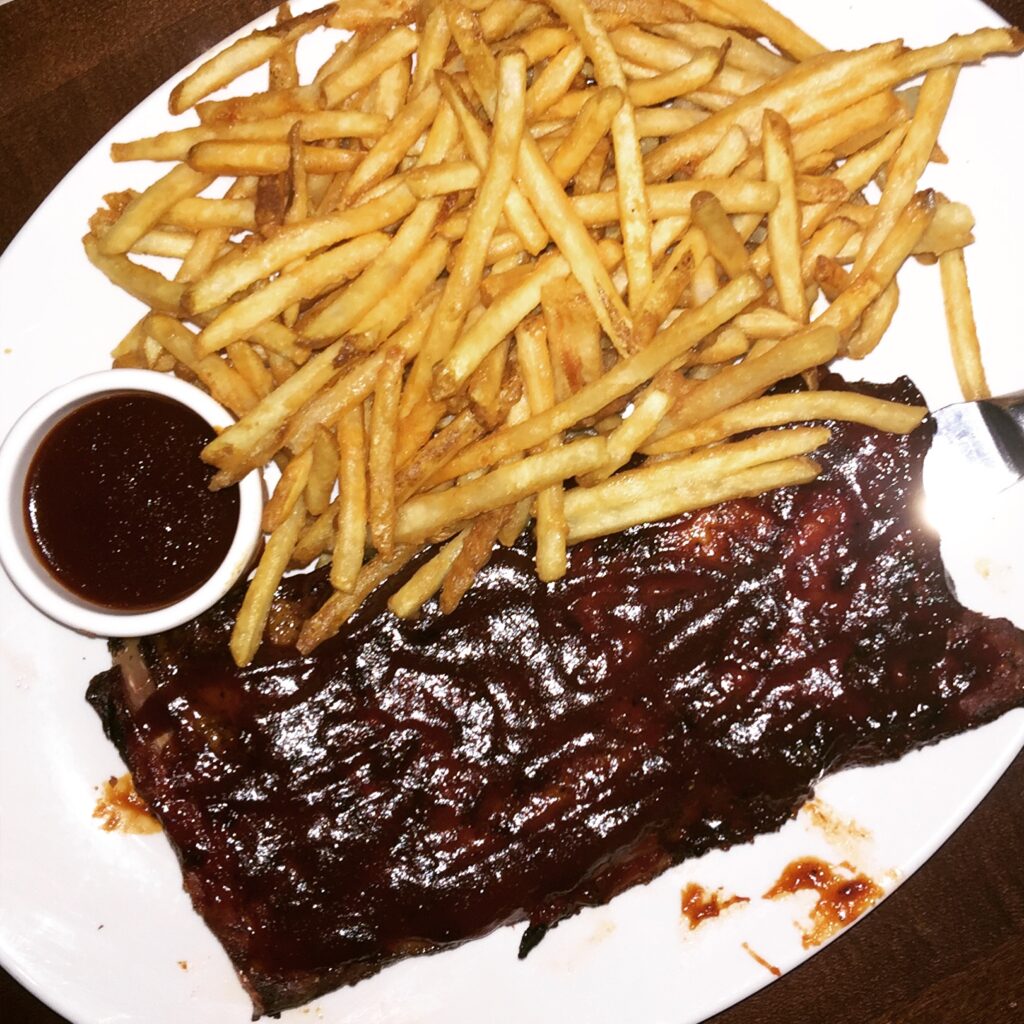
{"points": [[340, 606], [290, 487], [784, 220], [283, 71], [224, 68], [911, 159], [305, 281], [408, 601], [687, 78], [383, 443], [539, 384], [199, 213], [420, 287], [144, 284], [393, 145], [295, 242], [478, 543], [766, 21], [483, 389], [725, 244], [591, 124], [627, 375], [611, 183], [573, 336], [736, 196], [635, 216], [778, 410], [424, 516], [128, 354], [323, 472], [519, 214], [963, 335], [433, 48], [393, 46], [653, 491], [357, 15], [355, 384], [544, 191], [169, 242], [554, 81], [857, 122], [261, 106], [818, 88], [251, 368], [827, 241], [252, 616], [883, 265], [766, 322], [464, 279], [742, 53], [812, 347], [500, 319], [220, 158], [951, 228], [516, 521], [442, 179], [213, 243], [686, 497], [730, 344], [223, 382], [855, 173], [350, 543], [803, 96], [146, 209], [439, 450], [257, 435], [313, 127], [382, 274], [626, 440]]}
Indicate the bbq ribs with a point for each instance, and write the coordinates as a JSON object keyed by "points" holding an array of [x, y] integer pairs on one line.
{"points": [[412, 785]]}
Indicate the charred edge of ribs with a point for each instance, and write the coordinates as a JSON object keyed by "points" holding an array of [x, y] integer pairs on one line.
{"points": [[546, 746]]}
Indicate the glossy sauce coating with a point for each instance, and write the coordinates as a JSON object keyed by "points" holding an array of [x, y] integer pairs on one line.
{"points": [[412, 785], [118, 506]]}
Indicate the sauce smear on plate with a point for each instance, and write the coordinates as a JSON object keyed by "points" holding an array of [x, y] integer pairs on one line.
{"points": [[118, 506]]}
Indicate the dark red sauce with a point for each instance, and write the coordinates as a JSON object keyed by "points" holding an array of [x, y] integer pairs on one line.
{"points": [[842, 896], [118, 505], [766, 964], [698, 905]]}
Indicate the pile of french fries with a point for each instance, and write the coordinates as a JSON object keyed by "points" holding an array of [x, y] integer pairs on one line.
{"points": [[493, 246]]}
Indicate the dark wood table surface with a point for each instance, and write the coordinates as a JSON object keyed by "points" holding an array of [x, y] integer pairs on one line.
{"points": [[946, 948]]}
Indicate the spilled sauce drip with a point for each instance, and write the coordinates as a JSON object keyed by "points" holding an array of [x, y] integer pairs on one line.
{"points": [[845, 834], [842, 897], [698, 905], [123, 810], [761, 960]]}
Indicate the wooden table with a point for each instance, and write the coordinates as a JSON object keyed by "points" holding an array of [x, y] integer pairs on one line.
{"points": [[946, 948]]}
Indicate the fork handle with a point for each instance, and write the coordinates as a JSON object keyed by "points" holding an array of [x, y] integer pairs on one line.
{"points": [[1013, 406], [1005, 417]]}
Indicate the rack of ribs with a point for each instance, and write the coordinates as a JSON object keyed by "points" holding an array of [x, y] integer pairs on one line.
{"points": [[415, 784]]}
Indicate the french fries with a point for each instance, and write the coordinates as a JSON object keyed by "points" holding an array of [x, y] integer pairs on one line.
{"points": [[491, 247]]}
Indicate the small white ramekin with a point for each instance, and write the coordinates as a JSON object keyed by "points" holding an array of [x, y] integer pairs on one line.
{"points": [[17, 554]]}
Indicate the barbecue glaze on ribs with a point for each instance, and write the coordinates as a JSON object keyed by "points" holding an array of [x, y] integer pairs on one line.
{"points": [[412, 785]]}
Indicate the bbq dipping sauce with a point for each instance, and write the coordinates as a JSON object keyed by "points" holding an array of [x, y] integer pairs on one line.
{"points": [[105, 592], [118, 506]]}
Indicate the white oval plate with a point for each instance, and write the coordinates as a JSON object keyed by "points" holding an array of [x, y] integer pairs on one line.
{"points": [[97, 924]]}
